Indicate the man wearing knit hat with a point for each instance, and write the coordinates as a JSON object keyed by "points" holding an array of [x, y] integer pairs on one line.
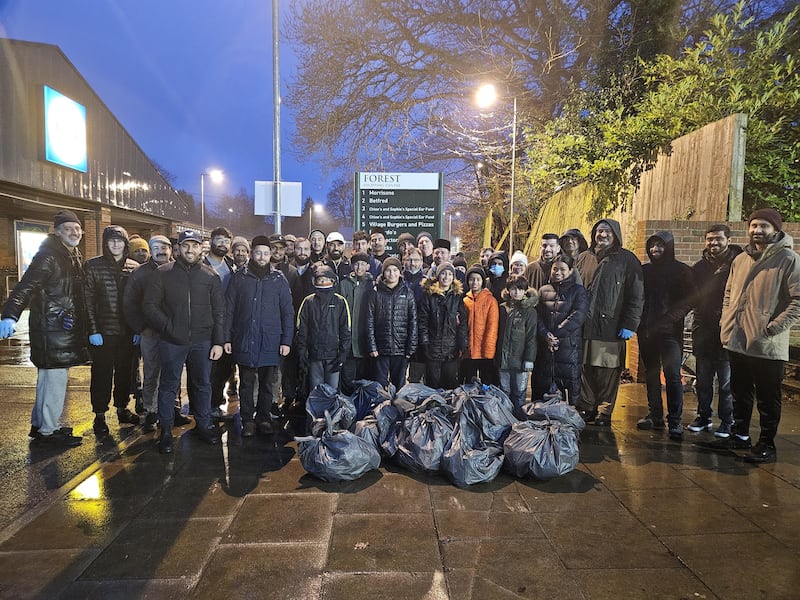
{"points": [[240, 248], [425, 244], [140, 251], [761, 302], [52, 287], [405, 241], [518, 264]]}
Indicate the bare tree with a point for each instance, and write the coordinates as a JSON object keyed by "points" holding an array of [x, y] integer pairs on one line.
{"points": [[340, 201]]}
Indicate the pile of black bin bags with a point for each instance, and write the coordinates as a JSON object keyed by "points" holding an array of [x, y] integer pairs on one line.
{"points": [[468, 433]]}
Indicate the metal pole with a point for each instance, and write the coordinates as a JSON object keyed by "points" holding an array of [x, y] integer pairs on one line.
{"points": [[276, 108], [202, 206], [513, 177]]}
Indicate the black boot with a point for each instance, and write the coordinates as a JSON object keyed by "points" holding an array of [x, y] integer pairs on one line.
{"points": [[165, 441]]}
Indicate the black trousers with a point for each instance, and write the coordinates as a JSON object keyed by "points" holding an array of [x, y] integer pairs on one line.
{"points": [[391, 369], [111, 363], [759, 380], [484, 368], [441, 374], [248, 405], [221, 371]]}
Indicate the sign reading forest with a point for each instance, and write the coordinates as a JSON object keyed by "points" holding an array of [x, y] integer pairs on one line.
{"points": [[399, 202]]}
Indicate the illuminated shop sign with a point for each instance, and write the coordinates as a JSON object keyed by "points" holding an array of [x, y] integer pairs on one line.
{"points": [[64, 130]]}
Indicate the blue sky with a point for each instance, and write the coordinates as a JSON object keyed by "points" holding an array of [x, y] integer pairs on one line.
{"points": [[191, 81]]}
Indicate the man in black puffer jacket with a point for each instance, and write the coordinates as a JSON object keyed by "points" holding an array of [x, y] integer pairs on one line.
{"points": [[391, 325], [110, 338], [53, 289], [185, 306], [668, 290]]}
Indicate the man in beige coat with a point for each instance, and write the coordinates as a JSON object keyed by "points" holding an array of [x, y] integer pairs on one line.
{"points": [[761, 302]]}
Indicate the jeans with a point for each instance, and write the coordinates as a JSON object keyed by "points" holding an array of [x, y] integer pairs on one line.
{"points": [[198, 381], [51, 390], [659, 353], [151, 361], [248, 406], [391, 369], [321, 371], [758, 379], [515, 384], [704, 385], [111, 362]]}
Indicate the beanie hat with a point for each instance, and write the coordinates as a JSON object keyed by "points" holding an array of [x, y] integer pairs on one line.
{"points": [[240, 241], [423, 234], [259, 240], [289, 238], [767, 214], [391, 262], [65, 216], [441, 243], [445, 266], [405, 237], [460, 261], [359, 256], [519, 256], [160, 238], [139, 244], [477, 269], [324, 271]]}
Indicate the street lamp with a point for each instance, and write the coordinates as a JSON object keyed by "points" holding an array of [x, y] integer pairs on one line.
{"points": [[485, 97], [316, 208], [230, 217], [216, 176], [450, 226]]}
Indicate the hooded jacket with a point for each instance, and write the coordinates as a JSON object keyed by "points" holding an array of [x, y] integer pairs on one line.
{"points": [[710, 277], [259, 316], [616, 294], [762, 300], [323, 327], [443, 322], [52, 287], [392, 320], [498, 284], [105, 287], [483, 312], [562, 311], [516, 332], [668, 291]]}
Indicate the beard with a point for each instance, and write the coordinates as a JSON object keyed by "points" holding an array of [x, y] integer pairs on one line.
{"points": [[302, 260], [219, 251]]}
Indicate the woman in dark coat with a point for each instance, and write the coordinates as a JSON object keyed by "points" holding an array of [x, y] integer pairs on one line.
{"points": [[563, 304]]}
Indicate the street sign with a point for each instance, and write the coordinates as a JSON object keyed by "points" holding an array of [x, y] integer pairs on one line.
{"points": [[399, 203]]}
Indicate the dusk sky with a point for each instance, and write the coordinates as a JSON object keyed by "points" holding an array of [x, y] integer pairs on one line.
{"points": [[191, 81]]}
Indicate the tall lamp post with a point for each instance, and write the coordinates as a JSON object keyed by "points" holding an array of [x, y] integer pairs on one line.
{"points": [[485, 97], [450, 226], [216, 176]]}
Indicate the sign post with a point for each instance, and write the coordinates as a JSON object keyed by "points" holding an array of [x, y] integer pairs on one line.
{"points": [[399, 203]]}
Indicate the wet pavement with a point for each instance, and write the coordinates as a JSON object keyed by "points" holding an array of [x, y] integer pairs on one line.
{"points": [[641, 517]]}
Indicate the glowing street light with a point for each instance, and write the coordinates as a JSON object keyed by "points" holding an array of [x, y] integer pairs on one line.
{"points": [[216, 176], [484, 98], [317, 208]]}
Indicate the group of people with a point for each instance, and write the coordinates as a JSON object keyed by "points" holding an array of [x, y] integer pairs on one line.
{"points": [[291, 313]]}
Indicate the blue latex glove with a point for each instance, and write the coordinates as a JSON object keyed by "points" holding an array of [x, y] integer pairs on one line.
{"points": [[136, 339], [625, 334], [7, 327], [96, 339]]}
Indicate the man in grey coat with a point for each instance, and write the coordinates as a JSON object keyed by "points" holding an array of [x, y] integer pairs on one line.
{"points": [[761, 302]]}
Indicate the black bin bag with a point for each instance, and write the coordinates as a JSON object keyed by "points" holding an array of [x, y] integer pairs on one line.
{"points": [[540, 449]]}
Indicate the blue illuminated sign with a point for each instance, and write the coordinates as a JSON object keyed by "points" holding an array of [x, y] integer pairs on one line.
{"points": [[65, 130]]}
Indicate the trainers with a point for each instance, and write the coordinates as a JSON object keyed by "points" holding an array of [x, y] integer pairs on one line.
{"points": [[700, 424], [724, 430], [150, 421], [99, 427], [588, 416], [762, 452], [248, 429], [649, 422], [733, 442], [676, 432], [126, 416], [57, 438]]}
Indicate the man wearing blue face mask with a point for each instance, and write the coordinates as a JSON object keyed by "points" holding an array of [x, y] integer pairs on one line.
{"points": [[498, 274]]}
